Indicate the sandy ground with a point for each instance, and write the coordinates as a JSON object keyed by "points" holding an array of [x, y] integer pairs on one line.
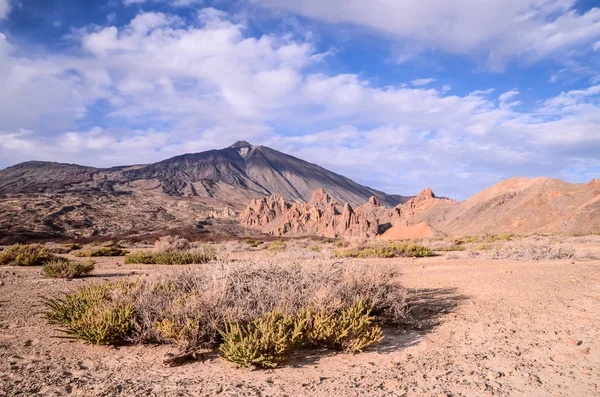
{"points": [[485, 328]]}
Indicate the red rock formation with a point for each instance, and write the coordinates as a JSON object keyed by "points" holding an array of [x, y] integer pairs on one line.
{"points": [[322, 216]]}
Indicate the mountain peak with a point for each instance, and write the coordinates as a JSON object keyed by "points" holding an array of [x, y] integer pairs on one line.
{"points": [[240, 144]]}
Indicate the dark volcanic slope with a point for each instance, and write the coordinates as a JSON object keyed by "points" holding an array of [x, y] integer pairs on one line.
{"points": [[236, 173]]}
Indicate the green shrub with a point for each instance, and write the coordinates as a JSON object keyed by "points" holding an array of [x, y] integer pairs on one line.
{"points": [[64, 268], [92, 315], [263, 343], [392, 250], [315, 248], [103, 251], [277, 246], [171, 258], [450, 248], [266, 341], [252, 243], [341, 243], [349, 329], [499, 237], [72, 246], [482, 247], [25, 255]]}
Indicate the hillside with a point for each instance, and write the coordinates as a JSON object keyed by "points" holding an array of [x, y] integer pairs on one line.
{"points": [[52, 199]]}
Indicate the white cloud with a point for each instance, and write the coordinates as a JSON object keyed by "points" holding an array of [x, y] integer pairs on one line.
{"points": [[172, 87], [422, 82], [446, 88], [5, 7], [501, 29], [172, 3]]}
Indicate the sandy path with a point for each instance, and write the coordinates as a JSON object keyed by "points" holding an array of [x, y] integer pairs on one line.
{"points": [[487, 328]]}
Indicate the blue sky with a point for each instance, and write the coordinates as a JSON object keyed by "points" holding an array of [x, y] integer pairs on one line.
{"points": [[396, 95]]}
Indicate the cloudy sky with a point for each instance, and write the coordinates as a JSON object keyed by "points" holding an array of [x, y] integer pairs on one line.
{"points": [[398, 95]]}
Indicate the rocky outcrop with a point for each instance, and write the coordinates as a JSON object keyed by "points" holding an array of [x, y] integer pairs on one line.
{"points": [[321, 216]]}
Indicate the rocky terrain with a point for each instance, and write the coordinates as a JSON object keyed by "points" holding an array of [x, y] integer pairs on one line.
{"points": [[518, 206], [50, 200]]}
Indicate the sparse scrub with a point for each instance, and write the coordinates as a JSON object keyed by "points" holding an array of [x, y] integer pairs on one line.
{"points": [[95, 313], [529, 251], [315, 248], [64, 268], [266, 341], [451, 248], [391, 250], [350, 329], [102, 251], [72, 246], [195, 256], [277, 246], [25, 255], [241, 306], [498, 237], [253, 243], [482, 247], [171, 244], [341, 243], [263, 343]]}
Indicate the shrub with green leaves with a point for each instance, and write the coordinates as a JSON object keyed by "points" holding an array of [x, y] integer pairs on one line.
{"points": [[266, 341], [350, 329], [102, 251], [277, 246], [93, 315], [64, 268], [72, 246], [263, 343], [25, 255], [341, 243], [172, 258], [253, 243], [451, 248], [391, 250]]}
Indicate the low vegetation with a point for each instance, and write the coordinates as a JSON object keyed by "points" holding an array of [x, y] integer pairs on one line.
{"points": [[390, 250], [253, 243], [533, 251], [277, 246], [254, 313], [451, 248], [189, 257], [267, 340], [25, 255], [94, 313], [102, 251], [172, 244], [64, 268]]}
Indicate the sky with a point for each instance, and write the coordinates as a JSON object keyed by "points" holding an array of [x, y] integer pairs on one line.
{"points": [[396, 95]]}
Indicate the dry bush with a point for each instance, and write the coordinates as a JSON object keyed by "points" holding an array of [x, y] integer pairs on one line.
{"points": [[103, 251], [25, 255], [193, 308], [64, 268], [189, 257], [450, 248], [277, 246], [171, 244], [96, 313], [532, 251], [391, 250]]}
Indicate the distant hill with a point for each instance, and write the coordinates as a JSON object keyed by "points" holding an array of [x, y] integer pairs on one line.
{"points": [[54, 199]]}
